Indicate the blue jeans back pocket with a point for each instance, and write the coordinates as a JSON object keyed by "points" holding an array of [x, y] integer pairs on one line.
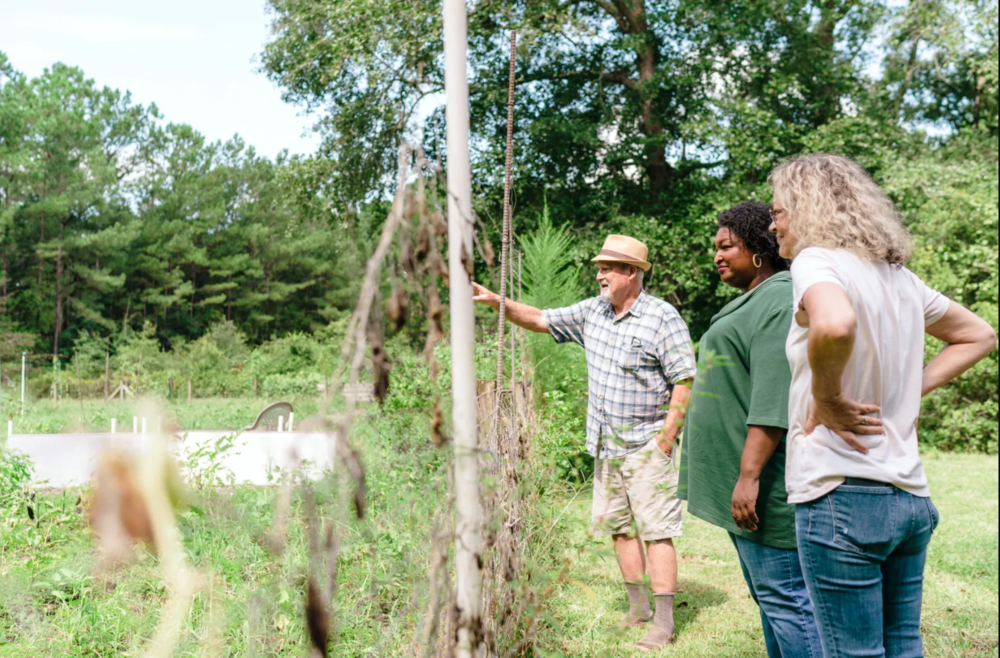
{"points": [[864, 518], [935, 515]]}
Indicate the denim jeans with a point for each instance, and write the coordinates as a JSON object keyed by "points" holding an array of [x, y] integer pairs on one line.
{"points": [[774, 577], [863, 549]]}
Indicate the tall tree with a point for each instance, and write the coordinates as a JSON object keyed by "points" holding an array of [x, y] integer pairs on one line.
{"points": [[79, 131], [621, 102]]}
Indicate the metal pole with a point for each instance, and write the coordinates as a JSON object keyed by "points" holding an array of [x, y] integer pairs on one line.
{"points": [[23, 362], [505, 235], [468, 530]]}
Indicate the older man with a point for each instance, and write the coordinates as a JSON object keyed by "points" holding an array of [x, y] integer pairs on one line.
{"points": [[639, 361]]}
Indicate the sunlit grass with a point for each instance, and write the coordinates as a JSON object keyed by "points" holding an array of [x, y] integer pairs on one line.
{"points": [[715, 614], [53, 604]]}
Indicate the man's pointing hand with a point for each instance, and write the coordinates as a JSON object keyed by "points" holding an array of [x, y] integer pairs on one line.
{"points": [[484, 296]]}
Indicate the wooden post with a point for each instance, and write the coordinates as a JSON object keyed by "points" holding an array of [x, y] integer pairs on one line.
{"points": [[189, 391], [79, 385], [55, 393], [170, 386], [107, 374]]}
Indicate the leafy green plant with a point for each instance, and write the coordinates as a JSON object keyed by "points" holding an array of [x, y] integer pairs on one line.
{"points": [[202, 467], [15, 473], [552, 280]]}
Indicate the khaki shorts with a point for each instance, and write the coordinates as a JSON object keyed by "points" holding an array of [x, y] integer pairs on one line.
{"points": [[640, 487]]}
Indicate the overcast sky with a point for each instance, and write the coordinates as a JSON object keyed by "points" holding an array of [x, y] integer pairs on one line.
{"points": [[195, 59]]}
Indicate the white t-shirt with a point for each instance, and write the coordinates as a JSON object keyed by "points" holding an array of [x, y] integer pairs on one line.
{"points": [[886, 368]]}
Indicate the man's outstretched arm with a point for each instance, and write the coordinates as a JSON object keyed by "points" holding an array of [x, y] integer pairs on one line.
{"points": [[522, 315]]}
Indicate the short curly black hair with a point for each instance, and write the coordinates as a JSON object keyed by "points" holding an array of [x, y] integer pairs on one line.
{"points": [[750, 221]]}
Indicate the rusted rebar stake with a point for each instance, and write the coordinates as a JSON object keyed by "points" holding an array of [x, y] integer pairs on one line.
{"points": [[506, 213]]}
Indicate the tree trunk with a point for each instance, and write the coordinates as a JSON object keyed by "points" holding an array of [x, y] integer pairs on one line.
{"points": [[468, 531], [632, 20], [59, 301], [41, 240], [267, 289], [194, 287], [828, 106], [658, 170]]}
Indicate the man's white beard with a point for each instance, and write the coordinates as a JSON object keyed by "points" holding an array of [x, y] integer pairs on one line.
{"points": [[606, 294]]}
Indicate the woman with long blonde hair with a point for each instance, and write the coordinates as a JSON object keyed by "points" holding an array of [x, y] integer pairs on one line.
{"points": [[863, 513]]}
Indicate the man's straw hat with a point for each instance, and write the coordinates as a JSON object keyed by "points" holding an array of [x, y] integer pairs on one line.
{"points": [[623, 249]]}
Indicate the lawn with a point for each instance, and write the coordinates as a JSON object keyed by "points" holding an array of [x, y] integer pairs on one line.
{"points": [[53, 604], [715, 615]]}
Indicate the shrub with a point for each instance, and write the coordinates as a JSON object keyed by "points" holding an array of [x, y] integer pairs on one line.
{"points": [[949, 201]]}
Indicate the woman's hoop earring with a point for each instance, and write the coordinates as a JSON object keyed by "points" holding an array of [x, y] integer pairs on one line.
{"points": [[757, 261]]}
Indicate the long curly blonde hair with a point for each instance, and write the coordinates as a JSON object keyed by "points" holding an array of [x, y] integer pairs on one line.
{"points": [[832, 202]]}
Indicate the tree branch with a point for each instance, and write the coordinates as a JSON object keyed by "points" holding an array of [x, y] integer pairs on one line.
{"points": [[687, 166], [615, 11], [616, 77]]}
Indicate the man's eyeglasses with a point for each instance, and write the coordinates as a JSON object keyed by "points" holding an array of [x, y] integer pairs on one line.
{"points": [[774, 213]]}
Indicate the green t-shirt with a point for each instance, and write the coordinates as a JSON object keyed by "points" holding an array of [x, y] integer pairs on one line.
{"points": [[743, 379]]}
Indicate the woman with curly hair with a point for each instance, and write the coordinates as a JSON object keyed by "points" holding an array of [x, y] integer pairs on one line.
{"points": [[732, 469], [863, 512]]}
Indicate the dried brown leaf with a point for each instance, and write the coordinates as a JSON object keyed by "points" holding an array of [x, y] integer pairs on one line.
{"points": [[396, 307], [423, 242], [406, 253], [317, 619], [380, 362], [437, 423], [118, 511], [440, 226]]}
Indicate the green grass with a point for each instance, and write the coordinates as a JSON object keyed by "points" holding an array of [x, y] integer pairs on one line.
{"points": [[715, 615], [53, 604], [67, 415]]}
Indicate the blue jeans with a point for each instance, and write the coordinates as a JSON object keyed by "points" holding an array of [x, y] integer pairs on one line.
{"points": [[863, 549], [774, 577]]}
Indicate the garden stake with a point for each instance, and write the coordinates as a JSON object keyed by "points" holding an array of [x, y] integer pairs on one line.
{"points": [[505, 239]]}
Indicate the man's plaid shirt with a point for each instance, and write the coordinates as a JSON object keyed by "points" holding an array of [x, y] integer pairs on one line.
{"points": [[632, 365]]}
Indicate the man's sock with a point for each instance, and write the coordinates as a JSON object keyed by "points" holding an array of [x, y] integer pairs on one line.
{"points": [[638, 602], [664, 612]]}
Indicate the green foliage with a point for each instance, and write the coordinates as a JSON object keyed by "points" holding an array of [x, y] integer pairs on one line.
{"points": [[54, 606], [647, 123], [15, 473], [110, 220], [950, 203], [561, 436], [292, 353], [552, 280]]}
